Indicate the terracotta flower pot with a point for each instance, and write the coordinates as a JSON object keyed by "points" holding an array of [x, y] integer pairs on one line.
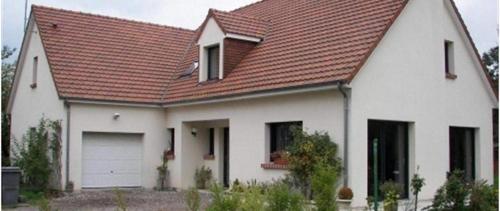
{"points": [[281, 161]]}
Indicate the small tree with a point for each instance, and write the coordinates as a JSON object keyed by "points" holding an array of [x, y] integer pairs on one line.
{"points": [[163, 171], [324, 181], [32, 156], [308, 151], [417, 183]]}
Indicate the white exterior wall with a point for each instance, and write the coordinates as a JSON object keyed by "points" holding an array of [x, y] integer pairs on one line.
{"points": [[212, 35], [404, 80], [99, 118], [321, 111], [30, 105]]}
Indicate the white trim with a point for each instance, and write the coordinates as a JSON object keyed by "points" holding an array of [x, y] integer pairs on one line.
{"points": [[20, 62], [253, 96], [94, 102], [471, 50], [243, 37]]}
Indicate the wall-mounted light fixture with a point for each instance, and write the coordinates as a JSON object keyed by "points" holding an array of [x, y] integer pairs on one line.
{"points": [[194, 131], [116, 116]]}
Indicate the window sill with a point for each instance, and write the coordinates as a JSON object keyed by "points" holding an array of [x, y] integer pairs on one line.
{"points": [[273, 166], [208, 157], [170, 157], [33, 85], [451, 76]]}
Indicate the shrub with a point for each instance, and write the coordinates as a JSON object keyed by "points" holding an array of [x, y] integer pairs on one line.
{"points": [[281, 197], [452, 195], [306, 152], [391, 192], [483, 196], [324, 180], [345, 193], [202, 176], [192, 198], [237, 187], [32, 156], [252, 199], [417, 183], [44, 204], [222, 201], [163, 171]]}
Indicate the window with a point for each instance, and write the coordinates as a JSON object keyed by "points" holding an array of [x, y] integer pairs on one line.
{"points": [[213, 63], [281, 135], [392, 153], [211, 142], [462, 151], [35, 70], [172, 140], [449, 60]]}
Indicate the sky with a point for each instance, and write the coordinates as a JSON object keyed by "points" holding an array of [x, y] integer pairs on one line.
{"points": [[481, 16]]}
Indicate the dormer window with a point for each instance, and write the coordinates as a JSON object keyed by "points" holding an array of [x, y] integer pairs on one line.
{"points": [[213, 62]]}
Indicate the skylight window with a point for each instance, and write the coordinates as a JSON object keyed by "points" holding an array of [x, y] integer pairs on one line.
{"points": [[190, 69]]}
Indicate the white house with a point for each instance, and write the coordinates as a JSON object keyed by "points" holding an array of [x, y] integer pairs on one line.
{"points": [[405, 72]]}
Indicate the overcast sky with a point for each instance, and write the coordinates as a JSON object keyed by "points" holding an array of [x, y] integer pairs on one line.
{"points": [[481, 16]]}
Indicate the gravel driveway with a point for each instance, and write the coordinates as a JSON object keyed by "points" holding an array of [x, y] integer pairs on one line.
{"points": [[135, 200]]}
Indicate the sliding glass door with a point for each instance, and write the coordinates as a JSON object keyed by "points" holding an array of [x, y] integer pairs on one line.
{"points": [[392, 152]]}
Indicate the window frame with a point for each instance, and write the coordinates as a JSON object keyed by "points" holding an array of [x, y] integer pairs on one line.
{"points": [[273, 127], [211, 141], [34, 73], [453, 159], [406, 153], [210, 71], [449, 59], [172, 140]]}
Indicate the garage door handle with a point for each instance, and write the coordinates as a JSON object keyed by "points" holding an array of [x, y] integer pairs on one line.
{"points": [[112, 172]]}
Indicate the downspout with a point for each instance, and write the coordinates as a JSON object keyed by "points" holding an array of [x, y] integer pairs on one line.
{"points": [[345, 174], [68, 115]]}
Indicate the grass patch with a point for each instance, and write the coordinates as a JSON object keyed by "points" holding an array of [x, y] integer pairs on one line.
{"points": [[32, 196]]}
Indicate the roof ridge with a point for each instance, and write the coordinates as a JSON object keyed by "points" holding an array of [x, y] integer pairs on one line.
{"points": [[239, 14], [248, 5], [110, 17]]}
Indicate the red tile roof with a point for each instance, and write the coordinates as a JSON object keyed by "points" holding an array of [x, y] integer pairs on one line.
{"points": [[305, 43], [102, 58], [241, 24], [308, 43]]}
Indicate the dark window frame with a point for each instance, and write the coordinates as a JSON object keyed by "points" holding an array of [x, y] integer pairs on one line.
{"points": [[210, 71], [449, 54], [458, 134], [211, 141], [172, 139], [383, 148], [34, 76], [279, 127], [446, 57]]}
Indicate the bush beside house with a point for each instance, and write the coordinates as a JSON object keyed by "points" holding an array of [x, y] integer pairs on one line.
{"points": [[38, 155]]}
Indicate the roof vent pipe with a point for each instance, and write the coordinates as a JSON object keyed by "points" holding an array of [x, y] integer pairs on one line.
{"points": [[345, 173]]}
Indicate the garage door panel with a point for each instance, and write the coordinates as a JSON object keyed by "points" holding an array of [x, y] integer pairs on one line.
{"points": [[111, 160]]}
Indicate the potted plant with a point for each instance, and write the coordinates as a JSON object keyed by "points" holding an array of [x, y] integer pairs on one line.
{"points": [[280, 157], [391, 192], [169, 155], [344, 197]]}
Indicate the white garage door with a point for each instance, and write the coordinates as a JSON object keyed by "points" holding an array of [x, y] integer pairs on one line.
{"points": [[111, 160]]}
